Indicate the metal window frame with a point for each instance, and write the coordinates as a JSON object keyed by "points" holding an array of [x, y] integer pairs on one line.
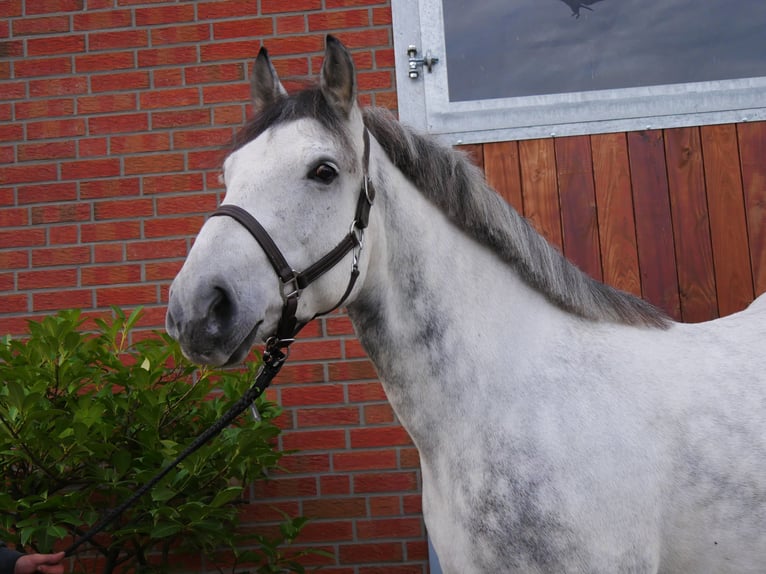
{"points": [[424, 102]]}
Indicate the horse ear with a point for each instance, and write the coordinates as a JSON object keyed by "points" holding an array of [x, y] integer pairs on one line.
{"points": [[337, 80], [265, 86]]}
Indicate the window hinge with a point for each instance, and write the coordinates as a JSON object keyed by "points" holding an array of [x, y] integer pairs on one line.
{"points": [[415, 64]]}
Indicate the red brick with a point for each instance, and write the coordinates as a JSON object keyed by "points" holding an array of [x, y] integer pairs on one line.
{"points": [[155, 163], [167, 56], [6, 112], [108, 253], [88, 168], [308, 373], [389, 528], [7, 282], [110, 275], [123, 123], [312, 395], [169, 98], [294, 24], [220, 51], [247, 28], [172, 227], [122, 296], [92, 147], [338, 20], [354, 349], [214, 73], [339, 326], [379, 436], [211, 159], [385, 58], [220, 9], [366, 392], [378, 414], [334, 485], [43, 108], [13, 90], [416, 549], [225, 93], [164, 271], [364, 460], [327, 531], [124, 209], [104, 62], [167, 77], [314, 440], [13, 259], [54, 87], [286, 488], [63, 235], [385, 482], [172, 183], [163, 249], [396, 568], [55, 300], [40, 25], [13, 303], [228, 115], [375, 80], [100, 20], [47, 150], [138, 143], [115, 40], [61, 212], [305, 463], [177, 119], [385, 505], [335, 508], [49, 6], [7, 154], [365, 39], [381, 16], [315, 350], [122, 187], [277, 6], [53, 45], [372, 552], [287, 67], [352, 370], [328, 416], [121, 81], [60, 256], [296, 45], [36, 67], [409, 458], [61, 128], [211, 137], [10, 174], [201, 203], [14, 217], [164, 15], [12, 48], [47, 279], [180, 34], [12, 133], [110, 231], [106, 103]]}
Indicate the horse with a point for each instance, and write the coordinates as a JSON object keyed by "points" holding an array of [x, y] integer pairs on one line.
{"points": [[563, 426]]}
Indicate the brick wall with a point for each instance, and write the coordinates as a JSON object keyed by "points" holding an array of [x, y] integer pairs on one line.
{"points": [[114, 116]]}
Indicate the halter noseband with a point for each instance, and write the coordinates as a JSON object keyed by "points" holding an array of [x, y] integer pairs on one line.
{"points": [[293, 282]]}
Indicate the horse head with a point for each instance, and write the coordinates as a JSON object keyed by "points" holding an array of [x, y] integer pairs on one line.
{"points": [[298, 169]]}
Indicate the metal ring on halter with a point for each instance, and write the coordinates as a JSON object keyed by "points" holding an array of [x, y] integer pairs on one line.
{"points": [[291, 283]]}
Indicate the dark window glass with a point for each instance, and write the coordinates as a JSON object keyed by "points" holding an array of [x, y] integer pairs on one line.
{"points": [[510, 48]]}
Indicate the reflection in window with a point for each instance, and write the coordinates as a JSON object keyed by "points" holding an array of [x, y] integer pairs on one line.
{"points": [[511, 48]]}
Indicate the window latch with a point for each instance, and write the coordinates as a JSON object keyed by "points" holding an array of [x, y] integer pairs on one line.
{"points": [[416, 64]]}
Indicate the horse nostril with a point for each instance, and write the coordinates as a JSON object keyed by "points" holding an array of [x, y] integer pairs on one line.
{"points": [[221, 309]]}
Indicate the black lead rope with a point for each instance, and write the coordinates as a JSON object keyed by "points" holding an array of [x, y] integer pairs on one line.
{"points": [[273, 359]]}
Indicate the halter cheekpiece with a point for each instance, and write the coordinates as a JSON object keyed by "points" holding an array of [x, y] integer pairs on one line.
{"points": [[293, 282]]}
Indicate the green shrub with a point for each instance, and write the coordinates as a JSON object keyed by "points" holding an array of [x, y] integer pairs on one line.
{"points": [[87, 418]]}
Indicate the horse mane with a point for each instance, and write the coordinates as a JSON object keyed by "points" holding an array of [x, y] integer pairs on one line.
{"points": [[450, 181]]}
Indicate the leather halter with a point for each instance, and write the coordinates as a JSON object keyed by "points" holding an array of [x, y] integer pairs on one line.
{"points": [[293, 282]]}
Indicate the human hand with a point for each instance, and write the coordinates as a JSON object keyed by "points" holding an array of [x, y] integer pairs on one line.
{"points": [[43, 563]]}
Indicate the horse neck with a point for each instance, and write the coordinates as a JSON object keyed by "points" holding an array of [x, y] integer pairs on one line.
{"points": [[435, 309]]}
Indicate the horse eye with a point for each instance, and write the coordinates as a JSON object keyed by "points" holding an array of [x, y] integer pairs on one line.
{"points": [[324, 173]]}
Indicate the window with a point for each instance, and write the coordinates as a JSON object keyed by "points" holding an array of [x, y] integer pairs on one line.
{"points": [[515, 69]]}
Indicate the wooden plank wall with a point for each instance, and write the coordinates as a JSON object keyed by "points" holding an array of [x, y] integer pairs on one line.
{"points": [[677, 216]]}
